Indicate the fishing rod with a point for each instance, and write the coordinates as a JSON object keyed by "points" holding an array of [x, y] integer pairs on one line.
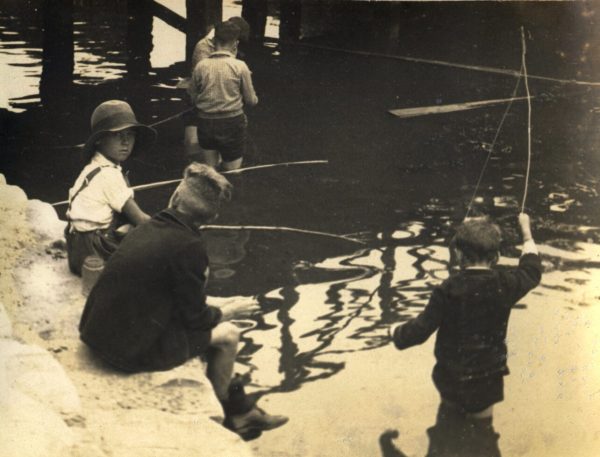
{"points": [[524, 66], [486, 69], [280, 229], [522, 73], [154, 185]]}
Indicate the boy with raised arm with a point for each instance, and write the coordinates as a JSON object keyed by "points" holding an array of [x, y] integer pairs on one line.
{"points": [[470, 311]]}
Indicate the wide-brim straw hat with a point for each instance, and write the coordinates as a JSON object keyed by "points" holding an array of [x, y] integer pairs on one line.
{"points": [[114, 116]]}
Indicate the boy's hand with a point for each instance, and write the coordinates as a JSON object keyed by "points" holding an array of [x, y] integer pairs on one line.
{"points": [[525, 224]]}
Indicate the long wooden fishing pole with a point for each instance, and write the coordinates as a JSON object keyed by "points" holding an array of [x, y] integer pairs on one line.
{"points": [[524, 67], [154, 185], [280, 229]]}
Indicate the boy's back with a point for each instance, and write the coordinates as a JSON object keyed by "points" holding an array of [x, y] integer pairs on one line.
{"points": [[474, 306], [222, 85], [470, 310]]}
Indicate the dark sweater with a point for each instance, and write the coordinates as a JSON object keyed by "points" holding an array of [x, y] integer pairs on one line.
{"points": [[148, 309], [471, 310]]}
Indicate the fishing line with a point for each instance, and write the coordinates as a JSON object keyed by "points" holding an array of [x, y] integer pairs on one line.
{"points": [[175, 116], [514, 93], [524, 68], [170, 118]]}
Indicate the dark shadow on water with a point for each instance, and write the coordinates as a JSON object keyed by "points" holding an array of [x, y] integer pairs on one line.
{"points": [[452, 435]]}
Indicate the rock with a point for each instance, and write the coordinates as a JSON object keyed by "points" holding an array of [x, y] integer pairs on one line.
{"points": [[12, 197], [29, 429], [148, 433], [44, 221], [2, 180], [34, 372], [5, 324]]}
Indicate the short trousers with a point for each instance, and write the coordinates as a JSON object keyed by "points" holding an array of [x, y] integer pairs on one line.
{"points": [[225, 135], [472, 395], [101, 243]]}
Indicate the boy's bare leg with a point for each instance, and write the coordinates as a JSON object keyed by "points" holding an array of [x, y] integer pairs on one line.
{"points": [[233, 165], [486, 413], [221, 357], [211, 157], [191, 148]]}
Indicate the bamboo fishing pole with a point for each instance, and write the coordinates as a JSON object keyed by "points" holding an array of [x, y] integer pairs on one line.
{"points": [[524, 66], [280, 229], [154, 185]]}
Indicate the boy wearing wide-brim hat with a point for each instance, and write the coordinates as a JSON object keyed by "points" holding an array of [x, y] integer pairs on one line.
{"points": [[101, 200]]}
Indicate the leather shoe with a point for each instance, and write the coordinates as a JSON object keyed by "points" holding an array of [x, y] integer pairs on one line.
{"points": [[255, 421]]}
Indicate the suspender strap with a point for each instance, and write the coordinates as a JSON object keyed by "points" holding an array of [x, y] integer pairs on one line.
{"points": [[86, 182]]}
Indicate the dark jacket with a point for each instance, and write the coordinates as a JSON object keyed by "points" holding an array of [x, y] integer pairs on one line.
{"points": [[148, 309], [471, 310]]}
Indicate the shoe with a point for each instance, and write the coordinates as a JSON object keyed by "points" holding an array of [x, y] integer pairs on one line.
{"points": [[254, 421]]}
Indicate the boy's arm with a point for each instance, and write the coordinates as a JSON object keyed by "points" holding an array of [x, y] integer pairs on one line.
{"points": [[247, 87], [189, 270], [134, 213], [417, 330], [529, 273]]}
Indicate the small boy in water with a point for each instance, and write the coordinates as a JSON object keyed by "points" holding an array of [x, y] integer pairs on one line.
{"points": [[221, 86], [470, 310], [203, 49], [101, 200]]}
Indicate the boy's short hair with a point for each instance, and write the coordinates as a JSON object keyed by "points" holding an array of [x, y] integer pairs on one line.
{"points": [[203, 189], [227, 32], [243, 25], [478, 240]]}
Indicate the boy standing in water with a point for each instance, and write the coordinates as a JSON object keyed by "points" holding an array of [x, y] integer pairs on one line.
{"points": [[101, 200], [470, 310], [221, 86], [203, 49]]}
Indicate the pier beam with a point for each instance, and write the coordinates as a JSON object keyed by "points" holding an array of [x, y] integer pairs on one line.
{"points": [[201, 15], [139, 37], [255, 12], [57, 55], [290, 25]]}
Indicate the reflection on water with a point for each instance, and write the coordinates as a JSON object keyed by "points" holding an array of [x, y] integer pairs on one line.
{"points": [[316, 310]]}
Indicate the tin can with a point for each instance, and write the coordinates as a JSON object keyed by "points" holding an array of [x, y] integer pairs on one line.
{"points": [[90, 272]]}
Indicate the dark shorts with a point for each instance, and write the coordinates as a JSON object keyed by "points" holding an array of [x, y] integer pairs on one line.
{"points": [[101, 243], [472, 395], [227, 136]]}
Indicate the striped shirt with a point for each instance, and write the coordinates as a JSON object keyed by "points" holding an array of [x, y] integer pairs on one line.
{"points": [[221, 85]]}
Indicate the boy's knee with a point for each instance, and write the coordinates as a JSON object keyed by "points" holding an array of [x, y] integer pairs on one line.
{"points": [[228, 335]]}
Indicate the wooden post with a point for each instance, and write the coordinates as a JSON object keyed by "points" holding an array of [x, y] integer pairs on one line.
{"points": [[139, 37], [57, 53], [201, 15], [255, 13], [290, 13]]}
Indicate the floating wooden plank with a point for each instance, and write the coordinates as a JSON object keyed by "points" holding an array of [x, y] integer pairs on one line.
{"points": [[440, 109]]}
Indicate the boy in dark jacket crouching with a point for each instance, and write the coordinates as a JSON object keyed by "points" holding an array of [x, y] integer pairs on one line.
{"points": [[470, 310], [148, 310]]}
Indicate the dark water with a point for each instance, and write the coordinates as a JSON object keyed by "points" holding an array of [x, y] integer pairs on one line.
{"points": [[399, 185]]}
